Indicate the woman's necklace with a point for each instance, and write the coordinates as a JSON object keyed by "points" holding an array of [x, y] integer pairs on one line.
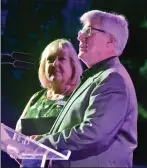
{"points": [[57, 98], [51, 96]]}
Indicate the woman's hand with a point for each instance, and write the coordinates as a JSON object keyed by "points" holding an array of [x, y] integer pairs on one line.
{"points": [[36, 137]]}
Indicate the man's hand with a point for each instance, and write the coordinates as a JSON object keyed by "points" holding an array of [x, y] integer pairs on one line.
{"points": [[36, 137]]}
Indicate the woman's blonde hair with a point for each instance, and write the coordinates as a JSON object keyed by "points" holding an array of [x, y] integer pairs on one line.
{"points": [[54, 48]]}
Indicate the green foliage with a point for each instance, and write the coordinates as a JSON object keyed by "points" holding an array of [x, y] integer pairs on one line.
{"points": [[142, 111], [143, 70], [144, 24]]}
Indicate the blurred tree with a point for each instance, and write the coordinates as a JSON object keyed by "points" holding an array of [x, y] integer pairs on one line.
{"points": [[143, 70], [142, 112]]}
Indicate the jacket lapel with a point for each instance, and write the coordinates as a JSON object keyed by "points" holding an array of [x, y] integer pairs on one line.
{"points": [[72, 98], [70, 101]]}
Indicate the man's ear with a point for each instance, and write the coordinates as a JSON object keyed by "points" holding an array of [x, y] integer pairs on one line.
{"points": [[111, 39]]}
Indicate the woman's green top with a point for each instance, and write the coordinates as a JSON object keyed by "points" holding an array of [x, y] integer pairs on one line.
{"points": [[41, 106], [40, 114]]}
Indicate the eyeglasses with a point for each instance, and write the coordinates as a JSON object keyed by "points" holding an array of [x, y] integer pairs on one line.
{"points": [[88, 31]]}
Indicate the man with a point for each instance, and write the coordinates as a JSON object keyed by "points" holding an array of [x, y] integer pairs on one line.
{"points": [[99, 122]]}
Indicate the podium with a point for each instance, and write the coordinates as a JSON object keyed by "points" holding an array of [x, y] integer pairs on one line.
{"points": [[19, 146]]}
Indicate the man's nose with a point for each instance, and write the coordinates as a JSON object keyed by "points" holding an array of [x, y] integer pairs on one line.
{"points": [[81, 36]]}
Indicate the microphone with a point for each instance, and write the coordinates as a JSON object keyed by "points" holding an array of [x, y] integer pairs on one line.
{"points": [[19, 59]]}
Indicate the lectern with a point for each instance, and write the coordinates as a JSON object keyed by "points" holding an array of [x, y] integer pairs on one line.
{"points": [[19, 146]]}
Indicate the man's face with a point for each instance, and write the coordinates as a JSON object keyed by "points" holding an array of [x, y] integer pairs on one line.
{"points": [[93, 42]]}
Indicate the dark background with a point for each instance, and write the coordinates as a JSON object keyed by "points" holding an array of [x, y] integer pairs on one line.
{"points": [[29, 25]]}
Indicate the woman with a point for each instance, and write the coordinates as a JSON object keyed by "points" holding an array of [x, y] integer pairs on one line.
{"points": [[59, 74]]}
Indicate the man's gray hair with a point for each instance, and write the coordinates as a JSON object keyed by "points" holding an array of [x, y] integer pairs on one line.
{"points": [[112, 23]]}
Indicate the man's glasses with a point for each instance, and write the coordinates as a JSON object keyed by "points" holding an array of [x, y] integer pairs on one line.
{"points": [[88, 31]]}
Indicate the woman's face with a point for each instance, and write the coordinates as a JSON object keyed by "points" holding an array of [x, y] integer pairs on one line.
{"points": [[58, 70]]}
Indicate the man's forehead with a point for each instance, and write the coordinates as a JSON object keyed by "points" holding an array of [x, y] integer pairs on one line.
{"points": [[86, 24]]}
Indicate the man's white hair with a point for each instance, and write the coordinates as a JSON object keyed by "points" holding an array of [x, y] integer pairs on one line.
{"points": [[112, 23]]}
